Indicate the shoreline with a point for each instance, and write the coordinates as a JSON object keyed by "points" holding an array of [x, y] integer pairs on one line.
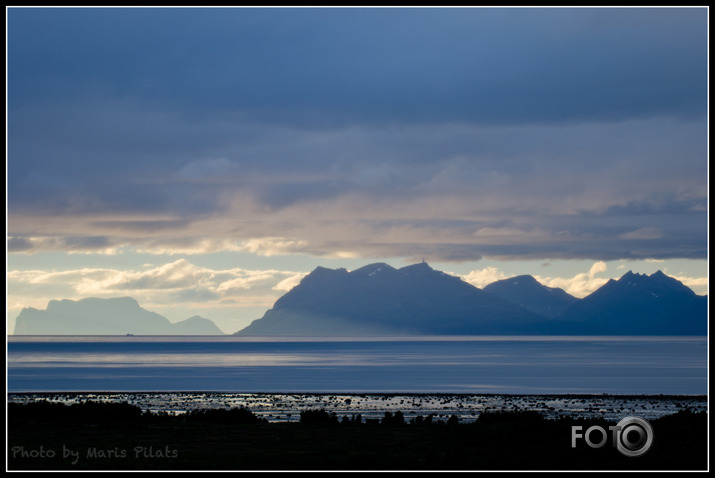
{"points": [[285, 407], [361, 393]]}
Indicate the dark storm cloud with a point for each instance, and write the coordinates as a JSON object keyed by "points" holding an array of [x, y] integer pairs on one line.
{"points": [[465, 132], [18, 244], [390, 64]]}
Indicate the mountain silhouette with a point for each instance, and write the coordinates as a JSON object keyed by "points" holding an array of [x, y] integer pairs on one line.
{"points": [[117, 316], [638, 304], [378, 299], [532, 295]]}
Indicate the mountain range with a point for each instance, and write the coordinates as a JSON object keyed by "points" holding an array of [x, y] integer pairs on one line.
{"points": [[380, 300], [116, 316], [638, 303]]}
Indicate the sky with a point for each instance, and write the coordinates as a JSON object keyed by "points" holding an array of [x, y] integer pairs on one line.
{"points": [[203, 160]]}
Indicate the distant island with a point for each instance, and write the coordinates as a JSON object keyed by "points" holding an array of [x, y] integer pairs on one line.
{"points": [[417, 300], [378, 299], [116, 316]]}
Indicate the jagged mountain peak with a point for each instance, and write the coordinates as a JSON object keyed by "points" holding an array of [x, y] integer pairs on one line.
{"points": [[378, 299], [655, 304], [654, 283]]}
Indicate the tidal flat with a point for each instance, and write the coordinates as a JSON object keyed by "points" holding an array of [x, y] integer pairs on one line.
{"points": [[286, 407]]}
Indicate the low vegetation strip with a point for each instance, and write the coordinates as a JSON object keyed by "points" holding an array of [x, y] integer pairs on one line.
{"points": [[119, 436]]}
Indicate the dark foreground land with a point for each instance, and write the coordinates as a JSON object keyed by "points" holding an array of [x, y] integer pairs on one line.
{"points": [[118, 436]]}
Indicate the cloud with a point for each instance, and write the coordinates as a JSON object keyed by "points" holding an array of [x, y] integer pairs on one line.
{"points": [[206, 169], [182, 275], [643, 233], [579, 285], [597, 268], [393, 64], [287, 284], [693, 282], [271, 246], [187, 245], [179, 283], [483, 277], [69, 243], [464, 133], [18, 244]]}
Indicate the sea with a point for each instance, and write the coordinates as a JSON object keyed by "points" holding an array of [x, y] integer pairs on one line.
{"points": [[277, 377]]}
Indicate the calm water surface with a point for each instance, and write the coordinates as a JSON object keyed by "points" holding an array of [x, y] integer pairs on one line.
{"points": [[462, 365]]}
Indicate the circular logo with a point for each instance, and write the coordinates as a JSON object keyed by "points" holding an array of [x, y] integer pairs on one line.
{"points": [[635, 436]]}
